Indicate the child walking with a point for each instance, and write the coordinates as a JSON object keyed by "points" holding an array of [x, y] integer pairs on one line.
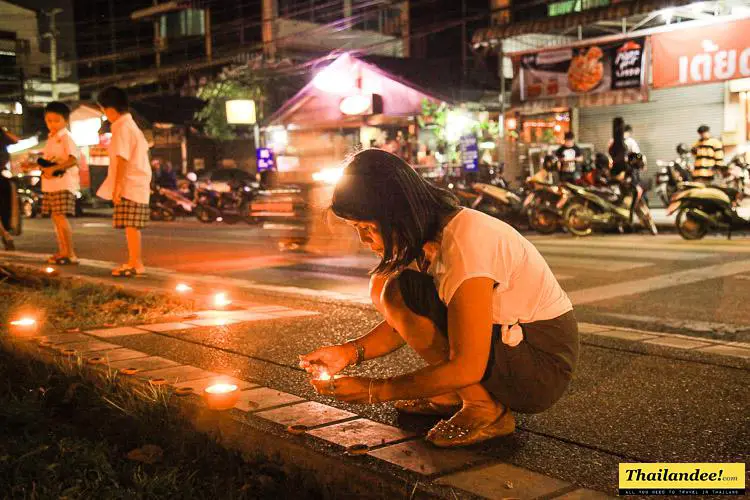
{"points": [[60, 180], [128, 178]]}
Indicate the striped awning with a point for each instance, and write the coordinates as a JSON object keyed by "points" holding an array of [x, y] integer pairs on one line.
{"points": [[557, 24]]}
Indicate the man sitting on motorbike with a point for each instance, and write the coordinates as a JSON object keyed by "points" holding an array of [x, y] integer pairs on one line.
{"points": [[549, 173]]}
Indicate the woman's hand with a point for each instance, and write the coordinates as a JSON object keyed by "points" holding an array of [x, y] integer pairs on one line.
{"points": [[349, 389], [332, 359]]}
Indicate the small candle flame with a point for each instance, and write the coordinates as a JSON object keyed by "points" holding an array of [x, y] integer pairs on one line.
{"points": [[49, 270], [24, 322], [221, 300], [221, 388], [183, 288], [324, 375]]}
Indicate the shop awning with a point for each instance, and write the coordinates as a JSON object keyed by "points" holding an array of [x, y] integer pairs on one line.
{"points": [[403, 85], [557, 24]]}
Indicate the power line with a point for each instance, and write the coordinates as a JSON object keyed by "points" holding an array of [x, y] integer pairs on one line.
{"points": [[122, 79]]}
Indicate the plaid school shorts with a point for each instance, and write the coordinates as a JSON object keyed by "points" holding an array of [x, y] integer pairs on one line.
{"points": [[130, 214], [59, 203]]}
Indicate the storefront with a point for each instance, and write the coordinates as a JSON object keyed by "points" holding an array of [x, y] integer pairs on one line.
{"points": [[664, 82]]}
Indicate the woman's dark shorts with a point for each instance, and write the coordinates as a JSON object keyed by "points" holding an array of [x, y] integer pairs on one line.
{"points": [[529, 377]]}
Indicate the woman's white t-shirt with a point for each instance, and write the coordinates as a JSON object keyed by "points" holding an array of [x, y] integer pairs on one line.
{"points": [[475, 245]]}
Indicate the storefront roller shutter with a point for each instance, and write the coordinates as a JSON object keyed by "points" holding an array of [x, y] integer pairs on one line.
{"points": [[671, 116]]}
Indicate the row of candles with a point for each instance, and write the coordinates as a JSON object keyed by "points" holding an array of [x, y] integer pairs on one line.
{"points": [[218, 396]]}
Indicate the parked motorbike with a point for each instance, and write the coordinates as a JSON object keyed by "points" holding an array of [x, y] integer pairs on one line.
{"points": [[701, 210], [675, 176], [591, 209], [544, 205], [230, 205], [167, 204]]}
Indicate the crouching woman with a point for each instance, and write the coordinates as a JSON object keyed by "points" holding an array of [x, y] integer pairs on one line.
{"points": [[467, 292]]}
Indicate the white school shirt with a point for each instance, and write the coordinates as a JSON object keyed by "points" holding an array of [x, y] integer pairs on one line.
{"points": [[61, 146], [129, 143], [476, 245]]}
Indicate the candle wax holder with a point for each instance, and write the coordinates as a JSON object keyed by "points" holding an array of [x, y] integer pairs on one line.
{"points": [[221, 396]]}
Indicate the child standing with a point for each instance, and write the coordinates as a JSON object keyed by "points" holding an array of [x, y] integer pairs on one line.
{"points": [[128, 178], [60, 181]]}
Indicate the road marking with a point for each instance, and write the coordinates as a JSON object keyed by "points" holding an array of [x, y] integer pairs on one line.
{"points": [[631, 253], [695, 326], [606, 292], [587, 263], [713, 244]]}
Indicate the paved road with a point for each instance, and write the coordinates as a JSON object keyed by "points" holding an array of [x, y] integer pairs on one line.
{"points": [[660, 283], [630, 401]]}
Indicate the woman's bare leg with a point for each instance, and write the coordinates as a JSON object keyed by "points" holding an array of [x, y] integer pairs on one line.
{"points": [[420, 333]]}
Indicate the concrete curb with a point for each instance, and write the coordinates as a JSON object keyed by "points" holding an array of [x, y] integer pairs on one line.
{"points": [[381, 473]]}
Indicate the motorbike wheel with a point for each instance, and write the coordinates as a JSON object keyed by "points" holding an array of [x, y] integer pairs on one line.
{"points": [[543, 221], [646, 218], [690, 228], [204, 215], [167, 214], [28, 210], [577, 219], [156, 214]]}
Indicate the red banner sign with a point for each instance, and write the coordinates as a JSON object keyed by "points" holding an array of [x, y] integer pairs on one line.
{"points": [[700, 55]]}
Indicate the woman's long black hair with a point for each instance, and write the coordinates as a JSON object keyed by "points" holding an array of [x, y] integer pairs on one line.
{"points": [[618, 150], [377, 186]]}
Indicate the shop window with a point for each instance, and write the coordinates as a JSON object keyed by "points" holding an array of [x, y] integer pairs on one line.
{"points": [[188, 22]]}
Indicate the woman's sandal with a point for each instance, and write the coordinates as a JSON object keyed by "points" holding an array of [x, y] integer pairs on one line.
{"points": [[8, 243], [52, 259], [127, 272], [446, 434], [65, 261], [425, 406]]}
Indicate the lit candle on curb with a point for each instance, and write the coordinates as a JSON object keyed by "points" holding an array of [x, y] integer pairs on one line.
{"points": [[221, 300], [221, 396], [23, 326], [183, 288], [50, 271]]}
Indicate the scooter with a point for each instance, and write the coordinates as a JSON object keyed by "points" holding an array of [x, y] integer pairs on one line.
{"points": [[231, 206], [544, 206], [501, 203], [700, 210]]}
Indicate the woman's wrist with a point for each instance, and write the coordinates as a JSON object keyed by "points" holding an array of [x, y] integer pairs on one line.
{"points": [[381, 390], [351, 353], [356, 352]]}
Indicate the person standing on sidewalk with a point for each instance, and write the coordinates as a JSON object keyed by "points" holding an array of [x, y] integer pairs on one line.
{"points": [[571, 159], [128, 182], [709, 155], [8, 196], [60, 180], [630, 142], [466, 291]]}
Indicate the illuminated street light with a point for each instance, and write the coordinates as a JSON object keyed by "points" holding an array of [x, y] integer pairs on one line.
{"points": [[240, 112]]}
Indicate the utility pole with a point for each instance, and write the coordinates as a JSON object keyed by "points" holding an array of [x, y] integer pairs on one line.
{"points": [[52, 35], [269, 14]]}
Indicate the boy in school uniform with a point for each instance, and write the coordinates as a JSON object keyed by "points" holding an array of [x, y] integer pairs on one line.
{"points": [[128, 182], [60, 180]]}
